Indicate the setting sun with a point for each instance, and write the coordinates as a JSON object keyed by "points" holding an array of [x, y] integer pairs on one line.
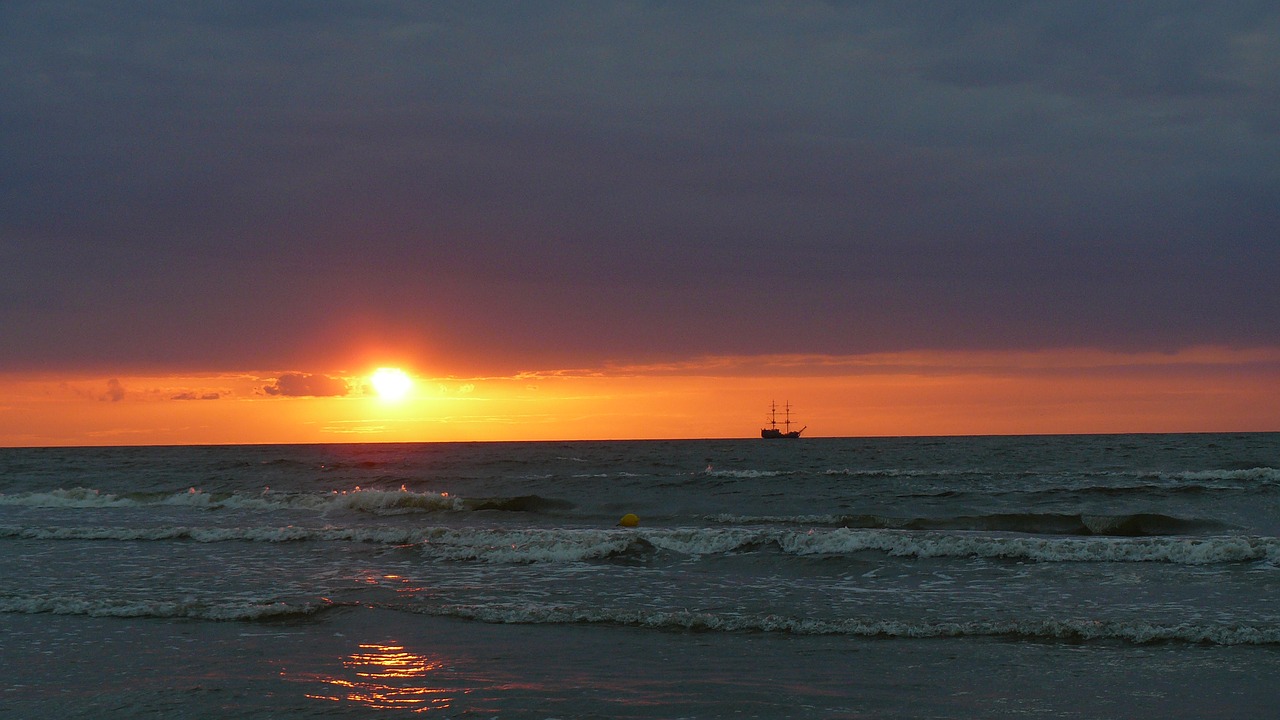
{"points": [[390, 383]]}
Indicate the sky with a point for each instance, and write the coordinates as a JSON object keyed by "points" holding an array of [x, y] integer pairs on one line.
{"points": [[575, 220]]}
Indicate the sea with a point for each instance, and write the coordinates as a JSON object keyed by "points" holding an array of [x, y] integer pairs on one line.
{"points": [[1116, 576]]}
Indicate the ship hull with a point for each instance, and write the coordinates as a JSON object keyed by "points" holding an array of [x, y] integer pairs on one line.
{"points": [[770, 434]]}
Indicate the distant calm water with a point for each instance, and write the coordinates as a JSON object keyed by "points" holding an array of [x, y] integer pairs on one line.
{"points": [[1075, 577]]}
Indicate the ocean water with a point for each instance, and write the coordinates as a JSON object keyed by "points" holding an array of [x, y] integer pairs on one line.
{"points": [[1058, 576]]}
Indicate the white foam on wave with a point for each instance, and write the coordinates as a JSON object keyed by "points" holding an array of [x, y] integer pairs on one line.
{"points": [[1183, 551], [699, 542], [1045, 629], [501, 546], [535, 546], [441, 543], [290, 533], [746, 474], [903, 472], [73, 498], [144, 608], [393, 501], [576, 545], [1257, 474], [385, 502]]}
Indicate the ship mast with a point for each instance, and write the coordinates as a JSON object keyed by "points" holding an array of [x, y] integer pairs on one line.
{"points": [[772, 430]]}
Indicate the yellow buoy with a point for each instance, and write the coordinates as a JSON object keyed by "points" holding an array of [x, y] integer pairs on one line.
{"points": [[629, 520]]}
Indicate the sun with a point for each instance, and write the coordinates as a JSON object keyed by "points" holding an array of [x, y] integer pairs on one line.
{"points": [[390, 383]]}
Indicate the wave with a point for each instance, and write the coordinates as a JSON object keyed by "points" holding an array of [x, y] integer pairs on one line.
{"points": [[1255, 473], [520, 503], [378, 502], [1085, 481], [142, 608], [389, 536], [1182, 551], [1070, 630], [1066, 630], [1214, 478], [1250, 480], [501, 546], [1132, 525], [747, 474]]}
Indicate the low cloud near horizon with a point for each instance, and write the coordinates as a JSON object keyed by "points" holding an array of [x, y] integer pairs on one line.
{"points": [[304, 385], [115, 391], [196, 396]]}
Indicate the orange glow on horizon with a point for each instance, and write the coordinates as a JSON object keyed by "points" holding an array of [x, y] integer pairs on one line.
{"points": [[987, 393]]}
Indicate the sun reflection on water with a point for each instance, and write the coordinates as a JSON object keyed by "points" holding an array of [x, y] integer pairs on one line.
{"points": [[387, 677]]}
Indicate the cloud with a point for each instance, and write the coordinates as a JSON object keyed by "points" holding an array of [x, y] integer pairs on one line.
{"points": [[637, 179], [196, 396], [115, 391], [304, 385]]}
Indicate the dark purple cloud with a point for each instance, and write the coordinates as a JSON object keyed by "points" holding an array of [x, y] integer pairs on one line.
{"points": [[566, 182], [197, 396], [303, 385]]}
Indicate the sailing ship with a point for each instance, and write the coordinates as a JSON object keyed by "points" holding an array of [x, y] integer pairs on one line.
{"points": [[772, 432]]}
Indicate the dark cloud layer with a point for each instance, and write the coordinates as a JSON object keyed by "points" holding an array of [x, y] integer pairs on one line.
{"points": [[533, 183], [305, 385]]}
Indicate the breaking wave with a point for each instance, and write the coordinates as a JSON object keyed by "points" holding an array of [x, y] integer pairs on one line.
{"points": [[1067, 630], [143, 608], [377, 502], [1071, 630], [1135, 525], [1182, 551], [1258, 474], [524, 546]]}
